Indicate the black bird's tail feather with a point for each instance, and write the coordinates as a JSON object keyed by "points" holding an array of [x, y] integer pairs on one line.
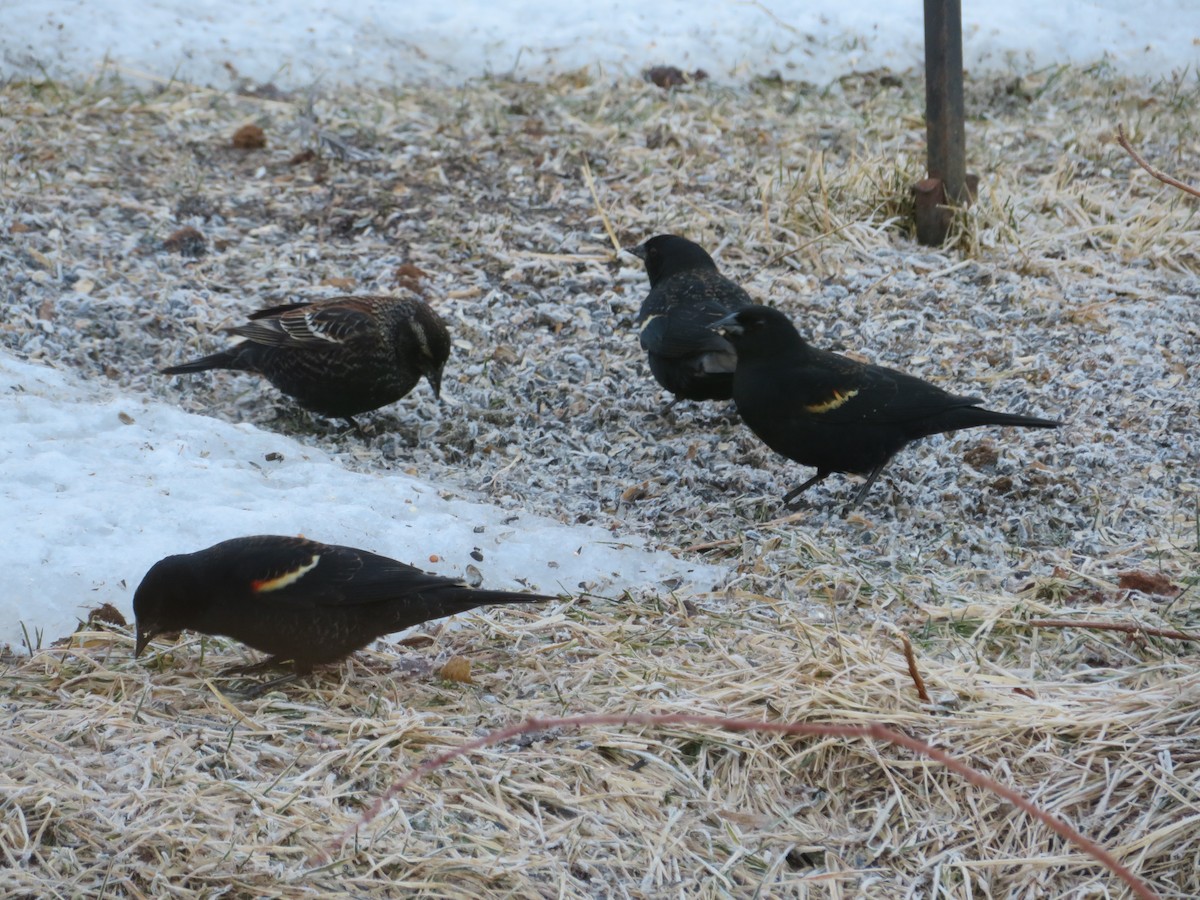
{"points": [[484, 597], [974, 416], [978, 415], [226, 359], [457, 599]]}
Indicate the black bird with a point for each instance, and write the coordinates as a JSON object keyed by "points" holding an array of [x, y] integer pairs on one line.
{"points": [[825, 410], [687, 295], [339, 357], [301, 601]]}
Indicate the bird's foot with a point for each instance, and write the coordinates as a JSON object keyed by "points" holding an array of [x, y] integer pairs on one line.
{"points": [[250, 690], [363, 431], [266, 665], [790, 497]]}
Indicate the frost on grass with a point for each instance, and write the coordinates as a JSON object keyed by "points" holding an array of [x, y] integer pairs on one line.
{"points": [[1073, 292]]}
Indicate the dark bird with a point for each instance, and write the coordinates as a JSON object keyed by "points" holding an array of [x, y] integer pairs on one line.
{"points": [[338, 357], [687, 295], [301, 601], [825, 410]]}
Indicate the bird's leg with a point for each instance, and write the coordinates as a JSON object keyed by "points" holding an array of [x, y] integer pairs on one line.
{"points": [[250, 691], [357, 428], [257, 690], [861, 493], [667, 413], [791, 495], [271, 662]]}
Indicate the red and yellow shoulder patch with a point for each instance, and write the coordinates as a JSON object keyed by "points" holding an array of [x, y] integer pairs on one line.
{"points": [[649, 319], [277, 582], [838, 398]]}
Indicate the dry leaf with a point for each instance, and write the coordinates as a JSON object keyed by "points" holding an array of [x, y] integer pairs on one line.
{"points": [[416, 640], [1147, 583], [249, 137], [108, 614], [458, 668], [636, 492], [187, 241]]}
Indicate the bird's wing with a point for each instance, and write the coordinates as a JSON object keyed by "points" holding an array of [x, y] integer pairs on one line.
{"points": [[300, 325], [283, 569], [677, 318], [681, 333], [303, 574], [273, 311], [381, 578], [841, 390], [832, 387]]}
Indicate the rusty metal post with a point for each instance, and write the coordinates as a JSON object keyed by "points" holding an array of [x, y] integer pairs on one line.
{"points": [[945, 129]]}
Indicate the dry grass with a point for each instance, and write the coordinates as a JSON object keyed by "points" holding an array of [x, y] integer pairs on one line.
{"points": [[129, 779], [154, 781]]}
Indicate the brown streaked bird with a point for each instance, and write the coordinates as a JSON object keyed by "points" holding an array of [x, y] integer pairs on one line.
{"points": [[839, 415], [687, 295], [304, 602], [338, 357]]}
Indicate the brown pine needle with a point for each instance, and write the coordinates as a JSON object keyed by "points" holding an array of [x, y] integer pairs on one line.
{"points": [[591, 183], [913, 671], [1126, 627]]}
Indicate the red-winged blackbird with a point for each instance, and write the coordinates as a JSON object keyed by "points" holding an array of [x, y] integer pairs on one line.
{"points": [[687, 295], [828, 411], [339, 357], [299, 600]]}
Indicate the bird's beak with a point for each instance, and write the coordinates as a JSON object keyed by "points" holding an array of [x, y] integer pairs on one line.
{"points": [[435, 382], [727, 325], [143, 638], [639, 251]]}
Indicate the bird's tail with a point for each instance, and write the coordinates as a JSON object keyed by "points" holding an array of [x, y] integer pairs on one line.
{"points": [[483, 598], [458, 599], [972, 416], [226, 359]]}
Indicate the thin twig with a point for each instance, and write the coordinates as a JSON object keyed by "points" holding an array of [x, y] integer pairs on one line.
{"points": [[1161, 176], [801, 246], [729, 542], [874, 732], [591, 183], [913, 671], [711, 545], [1126, 627]]}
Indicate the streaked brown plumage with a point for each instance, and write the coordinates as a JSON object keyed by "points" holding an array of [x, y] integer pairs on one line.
{"points": [[687, 295], [302, 601], [339, 357]]}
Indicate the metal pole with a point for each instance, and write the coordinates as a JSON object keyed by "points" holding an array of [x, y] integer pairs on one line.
{"points": [[944, 113]]}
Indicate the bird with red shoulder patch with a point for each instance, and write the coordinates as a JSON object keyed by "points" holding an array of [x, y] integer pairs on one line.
{"points": [[829, 411], [304, 602]]}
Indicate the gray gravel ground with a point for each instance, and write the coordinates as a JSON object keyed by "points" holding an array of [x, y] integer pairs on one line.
{"points": [[1074, 295], [1072, 292]]}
